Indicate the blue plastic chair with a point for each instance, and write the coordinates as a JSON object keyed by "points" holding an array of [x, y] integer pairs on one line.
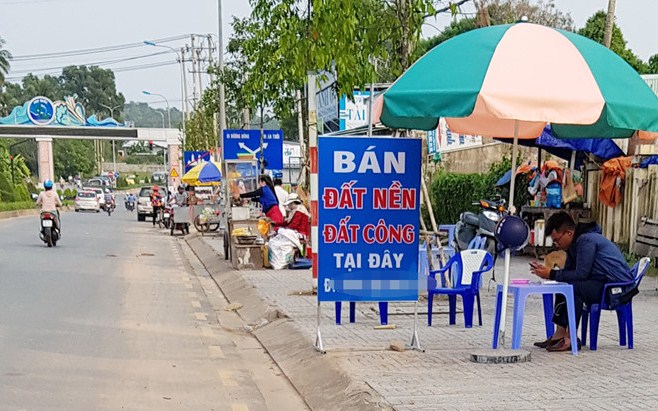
{"points": [[383, 312], [465, 269], [449, 229], [624, 312]]}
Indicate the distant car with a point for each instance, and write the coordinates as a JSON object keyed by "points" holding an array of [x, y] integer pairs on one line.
{"points": [[95, 182], [87, 200], [144, 207], [100, 195], [158, 177]]}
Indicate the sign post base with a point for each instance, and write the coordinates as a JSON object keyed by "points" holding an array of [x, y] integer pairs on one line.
{"points": [[415, 341], [319, 347]]}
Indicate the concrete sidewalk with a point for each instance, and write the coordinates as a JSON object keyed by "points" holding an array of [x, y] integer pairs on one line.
{"points": [[610, 378]]}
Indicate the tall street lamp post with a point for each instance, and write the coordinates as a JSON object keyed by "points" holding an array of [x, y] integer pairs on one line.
{"points": [[164, 151], [114, 155], [148, 93], [183, 83]]}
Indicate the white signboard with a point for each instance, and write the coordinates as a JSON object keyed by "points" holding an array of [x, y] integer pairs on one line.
{"points": [[327, 103], [454, 141], [292, 155], [354, 113]]}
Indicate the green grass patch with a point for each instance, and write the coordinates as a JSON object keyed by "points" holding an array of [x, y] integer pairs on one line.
{"points": [[18, 205], [28, 205]]}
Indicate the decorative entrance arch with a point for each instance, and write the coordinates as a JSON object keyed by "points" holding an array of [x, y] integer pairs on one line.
{"points": [[45, 120]]}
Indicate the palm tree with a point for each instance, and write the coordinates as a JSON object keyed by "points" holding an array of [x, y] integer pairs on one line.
{"points": [[5, 56]]}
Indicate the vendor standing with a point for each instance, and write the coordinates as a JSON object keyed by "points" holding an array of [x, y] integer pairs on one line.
{"points": [[266, 198]]}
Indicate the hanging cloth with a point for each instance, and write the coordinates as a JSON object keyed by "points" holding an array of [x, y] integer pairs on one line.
{"points": [[613, 173]]}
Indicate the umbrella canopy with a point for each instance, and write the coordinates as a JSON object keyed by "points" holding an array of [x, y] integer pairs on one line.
{"points": [[204, 173], [600, 147], [511, 81], [485, 80]]}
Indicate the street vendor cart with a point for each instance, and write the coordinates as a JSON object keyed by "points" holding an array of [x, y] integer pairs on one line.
{"points": [[180, 219]]}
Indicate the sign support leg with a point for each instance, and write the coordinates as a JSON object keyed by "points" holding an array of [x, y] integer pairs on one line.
{"points": [[415, 341], [319, 347]]}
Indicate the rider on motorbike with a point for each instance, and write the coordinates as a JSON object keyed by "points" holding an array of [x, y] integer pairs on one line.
{"points": [[49, 200], [130, 198], [109, 199]]}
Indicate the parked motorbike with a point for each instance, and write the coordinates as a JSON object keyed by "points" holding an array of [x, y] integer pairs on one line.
{"points": [[50, 232], [166, 216], [478, 230]]}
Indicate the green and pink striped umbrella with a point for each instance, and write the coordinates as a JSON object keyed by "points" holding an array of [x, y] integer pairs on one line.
{"points": [[511, 80], [486, 80]]}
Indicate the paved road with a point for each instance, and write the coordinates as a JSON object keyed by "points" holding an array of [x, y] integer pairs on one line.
{"points": [[120, 316]]}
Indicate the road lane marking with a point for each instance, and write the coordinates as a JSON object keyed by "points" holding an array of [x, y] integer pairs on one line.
{"points": [[188, 286], [192, 294], [207, 332], [196, 304], [239, 407], [201, 316], [216, 351], [225, 377]]}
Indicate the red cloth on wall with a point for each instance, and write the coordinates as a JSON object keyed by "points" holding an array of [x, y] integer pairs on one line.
{"points": [[612, 178]]}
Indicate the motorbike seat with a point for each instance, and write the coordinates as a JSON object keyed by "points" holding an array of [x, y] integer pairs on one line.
{"points": [[471, 219]]}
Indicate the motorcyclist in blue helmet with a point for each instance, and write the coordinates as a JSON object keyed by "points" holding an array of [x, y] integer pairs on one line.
{"points": [[49, 199]]}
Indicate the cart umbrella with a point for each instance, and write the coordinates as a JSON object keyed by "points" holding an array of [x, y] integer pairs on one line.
{"points": [[511, 81], [204, 173]]}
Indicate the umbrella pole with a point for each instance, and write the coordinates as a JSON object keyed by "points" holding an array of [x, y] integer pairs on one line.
{"points": [[508, 257], [572, 163]]}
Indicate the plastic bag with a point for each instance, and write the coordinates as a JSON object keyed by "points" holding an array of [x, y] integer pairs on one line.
{"points": [[281, 252], [263, 227], [569, 193]]}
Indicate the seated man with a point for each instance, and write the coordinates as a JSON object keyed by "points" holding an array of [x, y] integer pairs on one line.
{"points": [[592, 261]]}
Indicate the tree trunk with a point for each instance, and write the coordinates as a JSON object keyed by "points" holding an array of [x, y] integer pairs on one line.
{"points": [[609, 23]]}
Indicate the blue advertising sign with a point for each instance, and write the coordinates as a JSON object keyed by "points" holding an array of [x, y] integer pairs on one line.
{"points": [[192, 158], [238, 142], [368, 216]]}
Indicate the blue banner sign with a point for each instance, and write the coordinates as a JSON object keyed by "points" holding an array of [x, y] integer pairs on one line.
{"points": [[368, 216], [241, 143], [193, 158]]}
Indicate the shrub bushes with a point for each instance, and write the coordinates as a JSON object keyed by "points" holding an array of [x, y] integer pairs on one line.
{"points": [[144, 159], [454, 193], [22, 205], [21, 193]]}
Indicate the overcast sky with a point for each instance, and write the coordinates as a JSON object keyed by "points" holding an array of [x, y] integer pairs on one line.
{"points": [[32, 27]]}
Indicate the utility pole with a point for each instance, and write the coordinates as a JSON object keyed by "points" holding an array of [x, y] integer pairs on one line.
{"points": [[609, 23], [215, 117], [184, 85], [198, 71], [193, 52], [222, 96]]}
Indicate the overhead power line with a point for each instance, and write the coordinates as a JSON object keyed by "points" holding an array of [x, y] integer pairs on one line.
{"points": [[116, 70], [95, 50], [99, 63]]}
